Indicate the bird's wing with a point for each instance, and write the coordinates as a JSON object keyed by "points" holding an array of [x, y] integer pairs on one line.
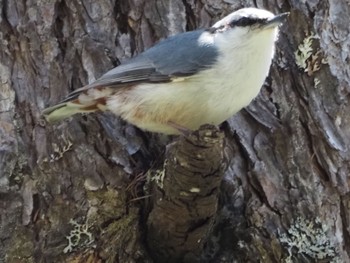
{"points": [[177, 56]]}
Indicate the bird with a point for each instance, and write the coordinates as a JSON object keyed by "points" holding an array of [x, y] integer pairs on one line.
{"points": [[187, 80]]}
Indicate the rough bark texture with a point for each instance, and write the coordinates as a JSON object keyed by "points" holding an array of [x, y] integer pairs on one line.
{"points": [[71, 192], [186, 195]]}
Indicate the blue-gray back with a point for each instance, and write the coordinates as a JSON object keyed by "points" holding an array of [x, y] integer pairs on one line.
{"points": [[181, 54], [176, 56]]}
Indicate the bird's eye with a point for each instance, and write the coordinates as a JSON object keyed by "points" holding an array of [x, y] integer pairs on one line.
{"points": [[245, 21]]}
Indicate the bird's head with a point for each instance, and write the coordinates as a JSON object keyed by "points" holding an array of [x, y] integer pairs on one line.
{"points": [[248, 25]]}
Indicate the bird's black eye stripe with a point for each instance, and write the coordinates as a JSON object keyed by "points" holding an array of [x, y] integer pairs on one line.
{"points": [[247, 21], [241, 22]]}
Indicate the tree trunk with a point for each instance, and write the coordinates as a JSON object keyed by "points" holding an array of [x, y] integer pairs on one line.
{"points": [[75, 191]]}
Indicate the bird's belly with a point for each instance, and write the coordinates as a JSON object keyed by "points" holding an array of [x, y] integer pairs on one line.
{"points": [[153, 107]]}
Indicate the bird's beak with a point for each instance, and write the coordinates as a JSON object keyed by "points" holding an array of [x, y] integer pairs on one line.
{"points": [[276, 20]]}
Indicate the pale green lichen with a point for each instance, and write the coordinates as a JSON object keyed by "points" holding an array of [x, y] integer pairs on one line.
{"points": [[317, 82], [79, 237], [58, 151], [305, 56], [157, 176], [309, 239]]}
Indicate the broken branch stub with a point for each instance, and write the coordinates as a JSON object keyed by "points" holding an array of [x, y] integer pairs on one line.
{"points": [[185, 202]]}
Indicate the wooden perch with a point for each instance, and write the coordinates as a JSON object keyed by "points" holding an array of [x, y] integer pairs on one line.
{"points": [[185, 203]]}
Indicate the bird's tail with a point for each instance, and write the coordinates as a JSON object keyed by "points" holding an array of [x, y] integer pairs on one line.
{"points": [[67, 109], [84, 100]]}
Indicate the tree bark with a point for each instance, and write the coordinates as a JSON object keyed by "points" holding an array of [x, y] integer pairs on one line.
{"points": [[185, 196], [73, 191]]}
